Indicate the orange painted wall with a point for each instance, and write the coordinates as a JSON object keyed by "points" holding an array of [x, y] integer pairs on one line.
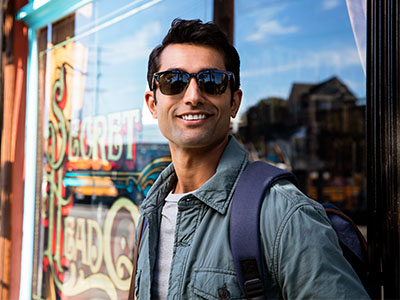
{"points": [[12, 149], [20, 54]]}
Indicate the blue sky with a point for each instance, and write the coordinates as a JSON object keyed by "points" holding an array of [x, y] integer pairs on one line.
{"points": [[303, 41], [280, 43]]}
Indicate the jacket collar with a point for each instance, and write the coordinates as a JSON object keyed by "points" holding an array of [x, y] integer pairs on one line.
{"points": [[216, 192]]}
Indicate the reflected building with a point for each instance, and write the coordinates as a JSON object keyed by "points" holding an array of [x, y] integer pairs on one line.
{"points": [[94, 150], [319, 134]]}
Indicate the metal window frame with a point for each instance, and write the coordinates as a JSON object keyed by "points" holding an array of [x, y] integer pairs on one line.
{"points": [[383, 141], [36, 15], [383, 146], [39, 13]]}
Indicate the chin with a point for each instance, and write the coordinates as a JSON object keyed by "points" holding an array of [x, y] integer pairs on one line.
{"points": [[200, 142]]}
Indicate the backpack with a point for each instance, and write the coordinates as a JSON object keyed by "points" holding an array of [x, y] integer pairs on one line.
{"points": [[256, 179], [244, 230]]}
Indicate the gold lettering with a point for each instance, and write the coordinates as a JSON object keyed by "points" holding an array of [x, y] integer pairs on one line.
{"points": [[80, 239], [95, 245], [69, 242], [119, 267], [73, 140], [86, 138], [114, 137], [130, 117], [90, 138], [100, 135]]}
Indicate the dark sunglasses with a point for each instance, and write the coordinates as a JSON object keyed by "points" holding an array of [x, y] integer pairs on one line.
{"points": [[173, 82]]}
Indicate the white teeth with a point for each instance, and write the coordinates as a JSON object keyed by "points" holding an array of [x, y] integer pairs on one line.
{"points": [[194, 117]]}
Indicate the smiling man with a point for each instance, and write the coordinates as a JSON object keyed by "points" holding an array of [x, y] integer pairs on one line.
{"points": [[185, 251]]}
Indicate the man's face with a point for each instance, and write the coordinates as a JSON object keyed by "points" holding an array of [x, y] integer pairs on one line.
{"points": [[193, 118]]}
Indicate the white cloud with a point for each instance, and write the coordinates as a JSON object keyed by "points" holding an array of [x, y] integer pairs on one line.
{"points": [[335, 59], [271, 27], [265, 12], [134, 47], [330, 4]]}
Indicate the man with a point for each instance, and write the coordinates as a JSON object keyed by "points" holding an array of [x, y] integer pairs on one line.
{"points": [[185, 251]]}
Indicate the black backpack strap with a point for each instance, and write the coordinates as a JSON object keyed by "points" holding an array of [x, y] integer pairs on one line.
{"points": [[142, 227], [245, 224]]}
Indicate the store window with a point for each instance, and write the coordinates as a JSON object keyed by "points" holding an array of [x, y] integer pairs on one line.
{"points": [[100, 150], [304, 83], [303, 78]]}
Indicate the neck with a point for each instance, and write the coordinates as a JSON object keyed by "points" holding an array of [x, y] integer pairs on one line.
{"points": [[194, 167]]}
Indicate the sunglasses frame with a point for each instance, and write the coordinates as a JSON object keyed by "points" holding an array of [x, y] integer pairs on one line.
{"points": [[157, 75]]}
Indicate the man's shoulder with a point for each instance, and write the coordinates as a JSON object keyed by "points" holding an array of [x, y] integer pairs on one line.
{"points": [[284, 199], [284, 193]]}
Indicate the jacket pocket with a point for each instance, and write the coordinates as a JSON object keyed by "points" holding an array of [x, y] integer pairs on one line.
{"points": [[213, 283]]}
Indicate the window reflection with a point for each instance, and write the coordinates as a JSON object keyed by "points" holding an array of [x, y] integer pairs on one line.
{"points": [[101, 149], [303, 110], [304, 94]]}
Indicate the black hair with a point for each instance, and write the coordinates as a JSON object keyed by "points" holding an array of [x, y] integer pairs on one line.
{"points": [[197, 33]]}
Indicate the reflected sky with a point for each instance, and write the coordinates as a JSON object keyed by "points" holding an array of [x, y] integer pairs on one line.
{"points": [[280, 43], [286, 42]]}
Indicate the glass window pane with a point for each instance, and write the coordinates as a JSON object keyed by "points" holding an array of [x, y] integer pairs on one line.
{"points": [[101, 150], [304, 93]]}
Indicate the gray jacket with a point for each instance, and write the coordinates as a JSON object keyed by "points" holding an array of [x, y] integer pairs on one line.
{"points": [[301, 250]]}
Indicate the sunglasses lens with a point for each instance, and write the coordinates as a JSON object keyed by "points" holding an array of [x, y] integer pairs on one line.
{"points": [[213, 82], [172, 83]]}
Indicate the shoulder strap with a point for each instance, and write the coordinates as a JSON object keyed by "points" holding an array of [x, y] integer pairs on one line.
{"points": [[135, 259], [245, 224]]}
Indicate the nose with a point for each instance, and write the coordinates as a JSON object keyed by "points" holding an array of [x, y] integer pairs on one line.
{"points": [[193, 95]]}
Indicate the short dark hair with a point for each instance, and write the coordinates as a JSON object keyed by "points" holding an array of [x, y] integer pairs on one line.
{"points": [[197, 33]]}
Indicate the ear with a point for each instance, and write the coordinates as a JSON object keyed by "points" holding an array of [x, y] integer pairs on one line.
{"points": [[151, 103], [237, 99]]}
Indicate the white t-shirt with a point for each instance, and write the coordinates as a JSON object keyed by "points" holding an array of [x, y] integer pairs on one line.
{"points": [[165, 246]]}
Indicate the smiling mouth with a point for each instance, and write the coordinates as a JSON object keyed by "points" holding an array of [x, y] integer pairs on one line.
{"points": [[194, 117]]}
